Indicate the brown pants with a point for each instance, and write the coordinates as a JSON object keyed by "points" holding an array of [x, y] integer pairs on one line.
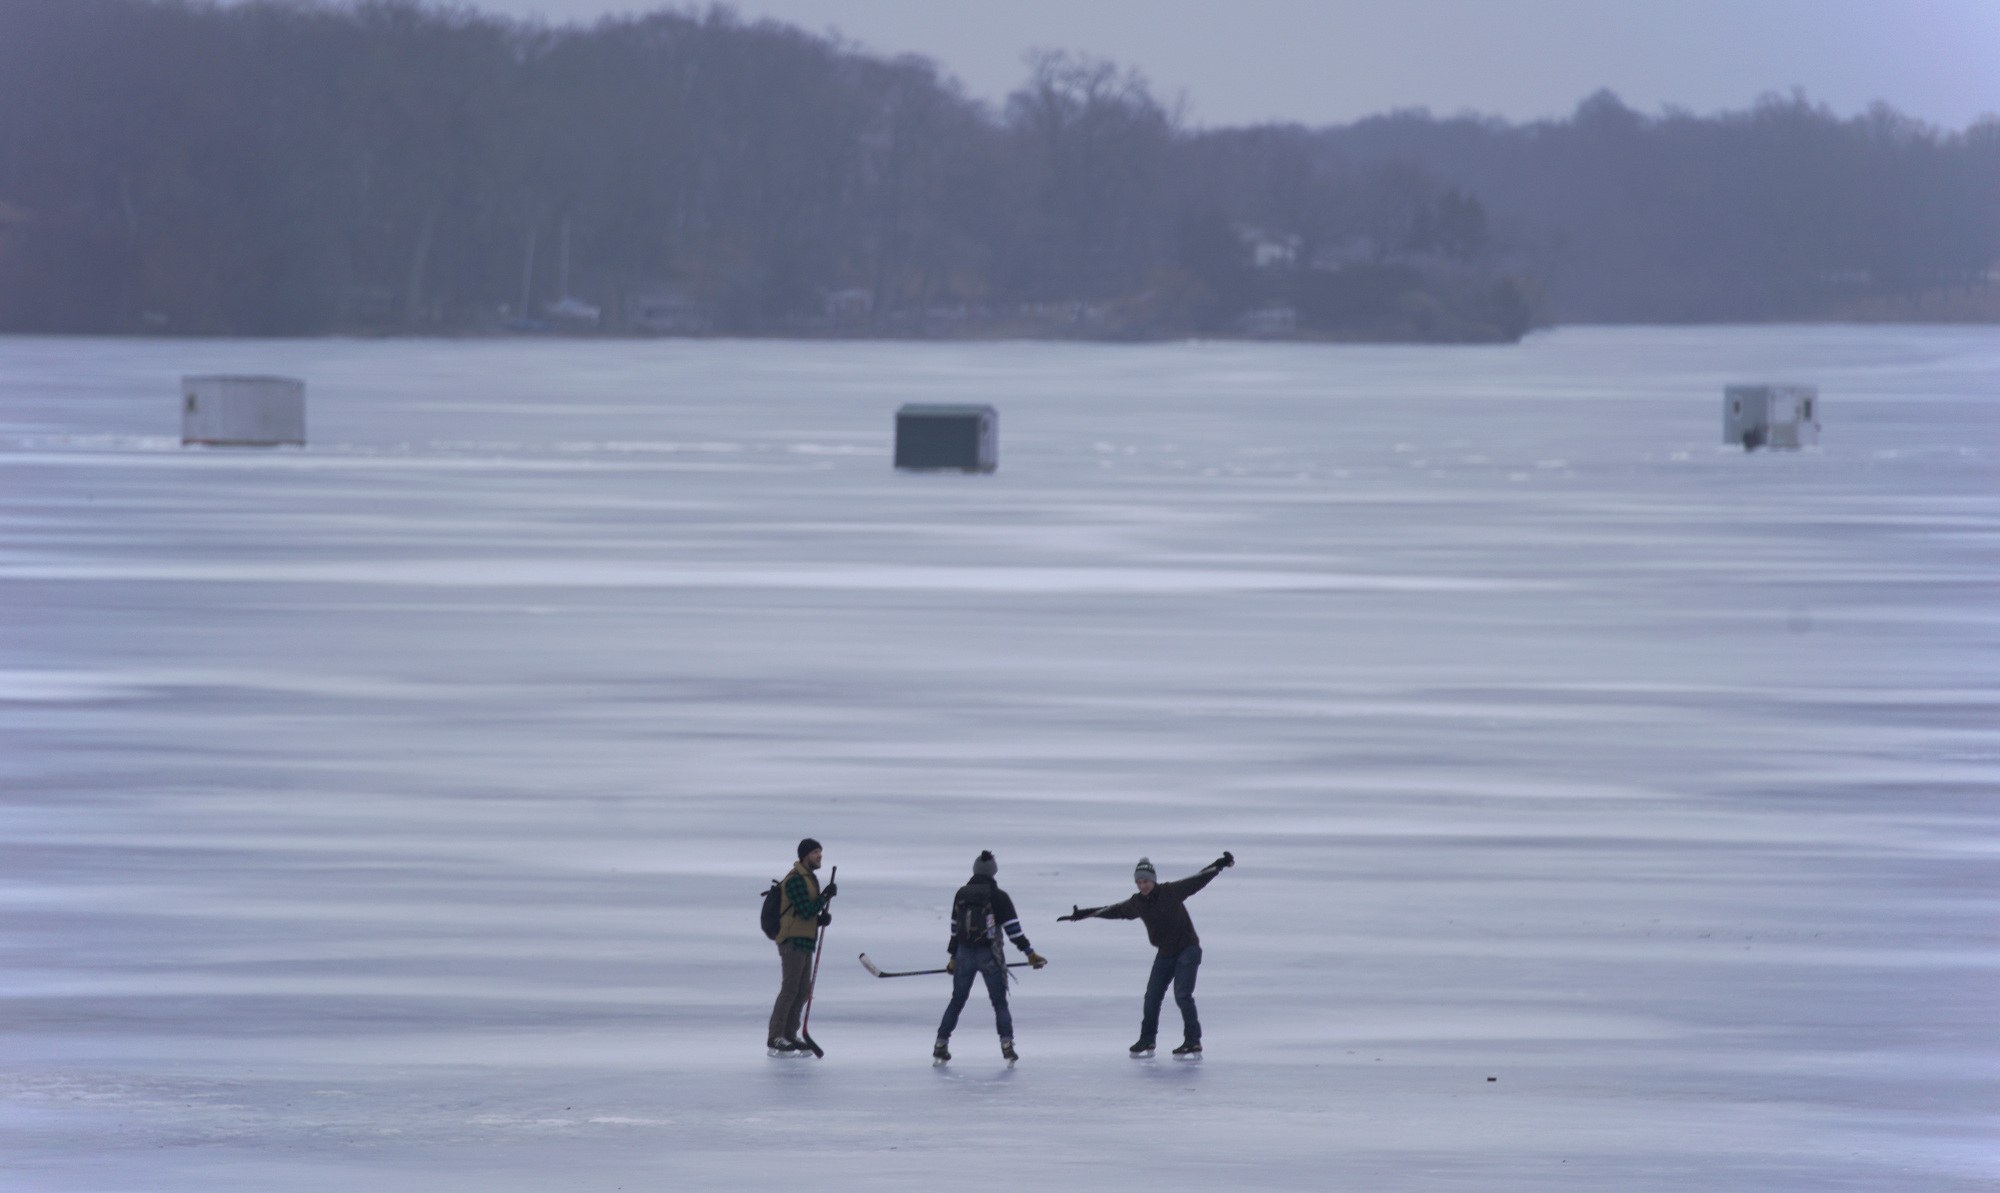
{"points": [[792, 992]]}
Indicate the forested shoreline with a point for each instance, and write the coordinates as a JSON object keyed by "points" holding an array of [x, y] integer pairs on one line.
{"points": [[397, 168]]}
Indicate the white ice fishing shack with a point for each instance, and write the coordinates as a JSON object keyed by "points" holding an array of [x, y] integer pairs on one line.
{"points": [[225, 411], [1770, 416]]}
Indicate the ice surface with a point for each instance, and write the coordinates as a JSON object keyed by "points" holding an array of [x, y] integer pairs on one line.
{"points": [[391, 814]]}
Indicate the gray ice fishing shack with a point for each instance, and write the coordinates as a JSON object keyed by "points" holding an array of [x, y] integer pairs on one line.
{"points": [[1770, 416], [222, 411], [947, 438]]}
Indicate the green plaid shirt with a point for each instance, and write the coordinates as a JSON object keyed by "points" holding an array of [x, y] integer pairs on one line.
{"points": [[804, 906]]}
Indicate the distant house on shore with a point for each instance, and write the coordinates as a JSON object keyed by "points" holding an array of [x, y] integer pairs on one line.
{"points": [[666, 308], [1271, 250], [571, 311], [852, 305], [1270, 321]]}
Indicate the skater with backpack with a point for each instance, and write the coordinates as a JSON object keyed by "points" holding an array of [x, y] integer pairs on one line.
{"points": [[794, 912], [1163, 906], [980, 914]]}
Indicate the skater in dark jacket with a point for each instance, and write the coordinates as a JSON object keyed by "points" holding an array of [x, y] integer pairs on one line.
{"points": [[1163, 906], [798, 930], [980, 913]]}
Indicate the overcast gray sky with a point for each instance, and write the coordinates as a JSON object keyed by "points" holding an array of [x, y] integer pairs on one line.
{"points": [[1325, 61]]}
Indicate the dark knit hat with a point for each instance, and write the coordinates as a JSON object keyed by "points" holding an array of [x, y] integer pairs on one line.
{"points": [[1145, 870], [807, 846], [984, 866]]}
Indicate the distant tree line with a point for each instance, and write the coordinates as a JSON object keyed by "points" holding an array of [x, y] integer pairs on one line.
{"points": [[390, 166]]}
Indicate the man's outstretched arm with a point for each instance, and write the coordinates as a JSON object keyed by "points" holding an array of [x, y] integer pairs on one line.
{"points": [[1202, 877], [1127, 910]]}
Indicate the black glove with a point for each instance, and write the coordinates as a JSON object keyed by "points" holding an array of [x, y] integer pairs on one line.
{"points": [[1227, 860], [1075, 913], [825, 918], [832, 889]]}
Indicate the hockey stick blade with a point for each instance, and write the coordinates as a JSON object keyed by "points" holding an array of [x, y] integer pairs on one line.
{"points": [[879, 972]]}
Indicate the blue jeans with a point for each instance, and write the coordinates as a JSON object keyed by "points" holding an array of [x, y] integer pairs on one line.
{"points": [[1179, 970], [978, 960]]}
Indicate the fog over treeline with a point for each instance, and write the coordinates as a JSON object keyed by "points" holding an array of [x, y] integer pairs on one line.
{"points": [[292, 168]]}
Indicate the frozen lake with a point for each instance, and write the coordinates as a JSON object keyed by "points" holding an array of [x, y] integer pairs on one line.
{"points": [[390, 814]]}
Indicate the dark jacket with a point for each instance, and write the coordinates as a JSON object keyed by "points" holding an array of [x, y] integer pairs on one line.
{"points": [[1168, 925], [1002, 908]]}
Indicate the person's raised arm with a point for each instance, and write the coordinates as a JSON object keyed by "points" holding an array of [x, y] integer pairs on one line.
{"points": [[1202, 877]]}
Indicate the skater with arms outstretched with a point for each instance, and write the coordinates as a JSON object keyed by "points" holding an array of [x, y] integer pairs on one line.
{"points": [[1163, 906]]}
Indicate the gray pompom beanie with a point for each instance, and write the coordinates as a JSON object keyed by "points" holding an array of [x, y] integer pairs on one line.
{"points": [[984, 866], [1145, 870]]}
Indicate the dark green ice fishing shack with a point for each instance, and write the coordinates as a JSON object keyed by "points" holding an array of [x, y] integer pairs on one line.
{"points": [[951, 438]]}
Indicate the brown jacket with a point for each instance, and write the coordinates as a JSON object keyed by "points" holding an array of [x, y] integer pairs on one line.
{"points": [[799, 921]]}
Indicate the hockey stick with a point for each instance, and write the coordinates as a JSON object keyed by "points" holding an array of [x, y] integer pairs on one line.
{"points": [[805, 1028], [871, 967]]}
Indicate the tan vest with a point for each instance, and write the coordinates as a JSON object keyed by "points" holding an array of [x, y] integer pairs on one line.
{"points": [[790, 923]]}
